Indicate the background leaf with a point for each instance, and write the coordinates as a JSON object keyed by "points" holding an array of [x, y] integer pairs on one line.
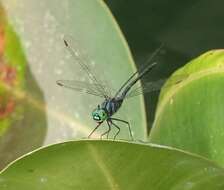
{"points": [[19, 133], [40, 28], [189, 116]]}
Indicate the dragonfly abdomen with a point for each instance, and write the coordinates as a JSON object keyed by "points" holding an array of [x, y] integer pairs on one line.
{"points": [[132, 83]]}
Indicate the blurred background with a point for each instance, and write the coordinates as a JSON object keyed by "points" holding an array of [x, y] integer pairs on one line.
{"points": [[187, 29], [35, 112]]}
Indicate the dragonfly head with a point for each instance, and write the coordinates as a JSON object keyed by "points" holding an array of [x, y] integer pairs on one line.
{"points": [[99, 115]]}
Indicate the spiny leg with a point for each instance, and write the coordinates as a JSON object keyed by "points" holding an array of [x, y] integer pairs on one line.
{"points": [[107, 132], [94, 129], [117, 128], [129, 127]]}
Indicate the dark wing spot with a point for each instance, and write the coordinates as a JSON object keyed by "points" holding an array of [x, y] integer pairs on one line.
{"points": [[59, 83], [66, 43]]}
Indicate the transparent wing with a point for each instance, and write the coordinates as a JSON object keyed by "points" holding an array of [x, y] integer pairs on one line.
{"points": [[137, 74], [155, 85], [80, 86], [83, 61]]}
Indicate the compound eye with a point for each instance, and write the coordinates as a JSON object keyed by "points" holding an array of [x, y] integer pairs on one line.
{"points": [[97, 117]]}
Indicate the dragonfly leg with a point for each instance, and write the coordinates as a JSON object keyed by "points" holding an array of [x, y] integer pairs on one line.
{"points": [[117, 128], [94, 129], [108, 122], [123, 121], [107, 132]]}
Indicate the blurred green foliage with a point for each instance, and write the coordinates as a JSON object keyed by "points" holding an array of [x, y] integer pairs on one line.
{"points": [[19, 131]]}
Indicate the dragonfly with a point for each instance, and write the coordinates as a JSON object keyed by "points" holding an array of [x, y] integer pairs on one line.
{"points": [[111, 104]]}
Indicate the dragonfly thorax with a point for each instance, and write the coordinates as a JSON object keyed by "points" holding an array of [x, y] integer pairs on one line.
{"points": [[106, 109], [111, 105]]}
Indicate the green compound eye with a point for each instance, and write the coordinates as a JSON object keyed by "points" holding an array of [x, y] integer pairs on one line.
{"points": [[99, 115]]}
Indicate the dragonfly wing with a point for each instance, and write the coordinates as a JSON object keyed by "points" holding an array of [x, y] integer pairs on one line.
{"points": [[83, 60], [81, 87], [155, 85], [146, 88], [140, 72]]}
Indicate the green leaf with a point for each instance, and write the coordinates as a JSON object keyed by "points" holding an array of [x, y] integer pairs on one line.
{"points": [[19, 93], [189, 115], [111, 165], [97, 35]]}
